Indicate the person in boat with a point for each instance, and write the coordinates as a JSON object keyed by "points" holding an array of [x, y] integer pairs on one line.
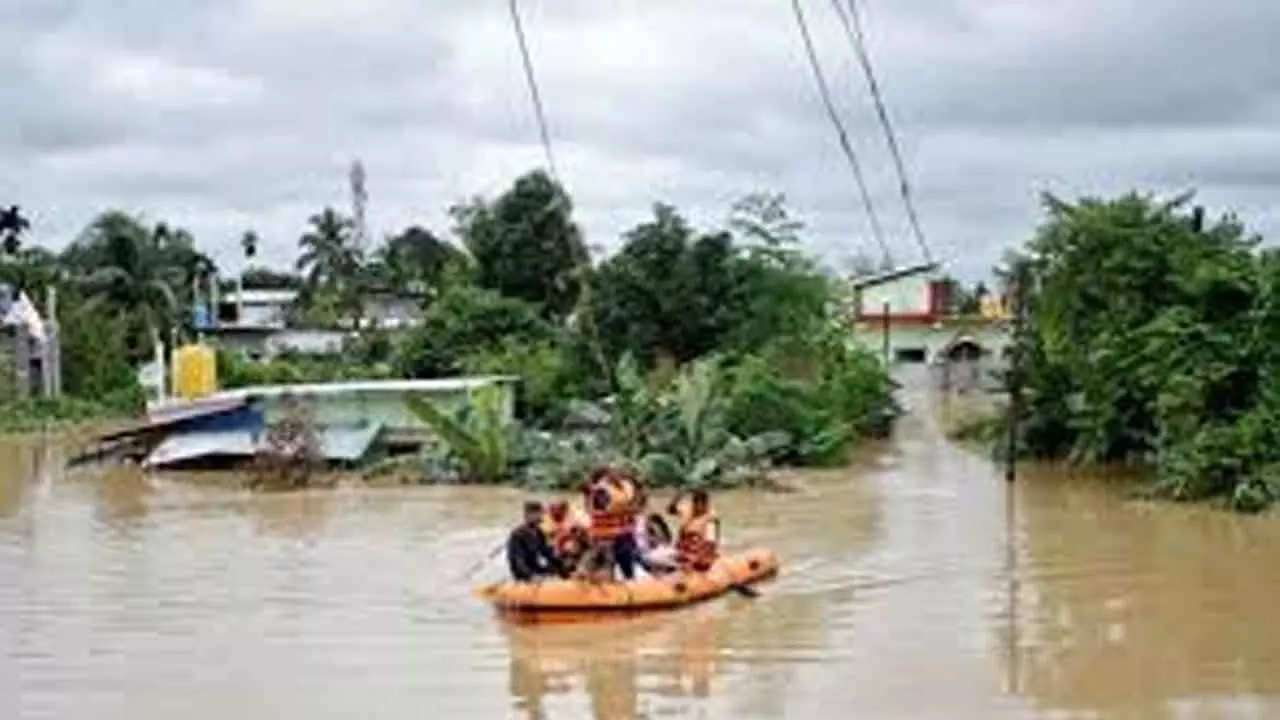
{"points": [[565, 531], [698, 533], [610, 497], [655, 553], [529, 555], [653, 539]]}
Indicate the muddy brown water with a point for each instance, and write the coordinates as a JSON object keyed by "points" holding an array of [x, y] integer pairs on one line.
{"points": [[915, 585]]}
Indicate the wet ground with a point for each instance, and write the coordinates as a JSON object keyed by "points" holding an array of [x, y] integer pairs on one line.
{"points": [[916, 584]]}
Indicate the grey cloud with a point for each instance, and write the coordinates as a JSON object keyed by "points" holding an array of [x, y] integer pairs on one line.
{"points": [[223, 115]]}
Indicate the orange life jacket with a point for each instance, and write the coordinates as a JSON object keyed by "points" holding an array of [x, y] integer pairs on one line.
{"points": [[617, 517], [695, 547], [558, 532]]}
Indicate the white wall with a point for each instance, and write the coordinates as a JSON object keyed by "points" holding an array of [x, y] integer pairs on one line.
{"points": [[307, 341], [393, 313], [932, 340], [263, 315], [904, 295]]}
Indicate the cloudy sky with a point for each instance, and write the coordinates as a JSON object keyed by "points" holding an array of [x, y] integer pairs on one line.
{"points": [[222, 115]]}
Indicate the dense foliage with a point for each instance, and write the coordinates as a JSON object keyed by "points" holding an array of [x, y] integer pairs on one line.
{"points": [[525, 245], [704, 355], [1153, 337]]}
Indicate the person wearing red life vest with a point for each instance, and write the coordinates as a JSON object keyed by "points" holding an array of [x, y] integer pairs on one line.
{"points": [[610, 496], [698, 532]]}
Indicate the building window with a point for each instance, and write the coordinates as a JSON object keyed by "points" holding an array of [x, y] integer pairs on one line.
{"points": [[909, 355]]}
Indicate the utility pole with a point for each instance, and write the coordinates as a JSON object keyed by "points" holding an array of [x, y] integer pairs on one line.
{"points": [[1019, 297], [359, 197], [884, 330]]}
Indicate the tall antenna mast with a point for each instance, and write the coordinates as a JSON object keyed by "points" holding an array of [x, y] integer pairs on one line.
{"points": [[359, 196]]}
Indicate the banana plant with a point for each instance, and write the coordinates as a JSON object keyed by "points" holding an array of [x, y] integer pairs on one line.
{"points": [[634, 410], [693, 446], [479, 439]]}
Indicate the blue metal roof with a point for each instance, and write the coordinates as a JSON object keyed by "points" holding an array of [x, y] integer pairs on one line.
{"points": [[337, 444]]}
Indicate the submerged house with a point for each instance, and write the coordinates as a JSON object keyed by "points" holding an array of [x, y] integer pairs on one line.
{"points": [[905, 316], [353, 421], [896, 311]]}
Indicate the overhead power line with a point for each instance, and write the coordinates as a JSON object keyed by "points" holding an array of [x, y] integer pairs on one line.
{"points": [[533, 89], [825, 92], [857, 38]]}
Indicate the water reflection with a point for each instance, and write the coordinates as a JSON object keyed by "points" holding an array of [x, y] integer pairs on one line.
{"points": [[628, 668], [1127, 606], [300, 515], [127, 596], [123, 497], [28, 470]]}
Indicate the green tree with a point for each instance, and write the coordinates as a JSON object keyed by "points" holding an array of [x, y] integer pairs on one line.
{"points": [[1150, 339], [415, 259], [763, 219], [135, 271], [525, 244], [249, 243], [13, 225], [331, 265], [464, 322], [668, 292], [785, 295], [266, 278], [329, 258], [96, 362], [32, 269]]}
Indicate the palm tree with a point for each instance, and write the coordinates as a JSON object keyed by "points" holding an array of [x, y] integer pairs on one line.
{"points": [[135, 272], [13, 224], [249, 243], [330, 261], [328, 255]]}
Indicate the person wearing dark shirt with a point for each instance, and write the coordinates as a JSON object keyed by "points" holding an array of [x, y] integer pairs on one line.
{"points": [[529, 555]]}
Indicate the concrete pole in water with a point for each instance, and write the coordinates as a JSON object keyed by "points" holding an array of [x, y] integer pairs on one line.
{"points": [[884, 328], [1018, 293], [53, 345]]}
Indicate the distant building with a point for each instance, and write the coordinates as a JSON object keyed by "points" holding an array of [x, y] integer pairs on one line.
{"points": [[31, 345], [259, 309], [904, 315], [912, 294], [259, 321]]}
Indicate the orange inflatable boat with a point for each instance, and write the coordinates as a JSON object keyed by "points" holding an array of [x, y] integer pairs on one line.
{"points": [[648, 593]]}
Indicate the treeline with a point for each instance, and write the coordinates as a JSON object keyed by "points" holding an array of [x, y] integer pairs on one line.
{"points": [[1153, 337], [513, 291]]}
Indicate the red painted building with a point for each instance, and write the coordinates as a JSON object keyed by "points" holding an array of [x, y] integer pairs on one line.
{"points": [[913, 294]]}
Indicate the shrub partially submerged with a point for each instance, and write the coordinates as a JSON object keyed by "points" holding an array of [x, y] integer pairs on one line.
{"points": [[694, 429]]}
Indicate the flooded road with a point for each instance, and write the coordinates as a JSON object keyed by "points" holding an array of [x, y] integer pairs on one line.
{"points": [[915, 585]]}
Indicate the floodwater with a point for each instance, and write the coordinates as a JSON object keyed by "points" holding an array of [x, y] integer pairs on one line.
{"points": [[916, 584]]}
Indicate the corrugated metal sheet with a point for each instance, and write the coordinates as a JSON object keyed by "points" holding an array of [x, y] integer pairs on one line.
{"points": [[352, 387], [337, 444], [174, 417]]}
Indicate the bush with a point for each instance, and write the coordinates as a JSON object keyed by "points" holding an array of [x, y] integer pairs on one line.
{"points": [[464, 322], [1152, 338], [234, 370], [834, 396], [549, 377], [95, 359], [762, 400], [38, 414]]}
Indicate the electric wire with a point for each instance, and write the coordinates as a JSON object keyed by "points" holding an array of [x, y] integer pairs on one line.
{"points": [[853, 30], [825, 93], [534, 94], [584, 307]]}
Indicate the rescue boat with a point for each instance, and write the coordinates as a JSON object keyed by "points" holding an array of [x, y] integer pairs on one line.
{"points": [[643, 594]]}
